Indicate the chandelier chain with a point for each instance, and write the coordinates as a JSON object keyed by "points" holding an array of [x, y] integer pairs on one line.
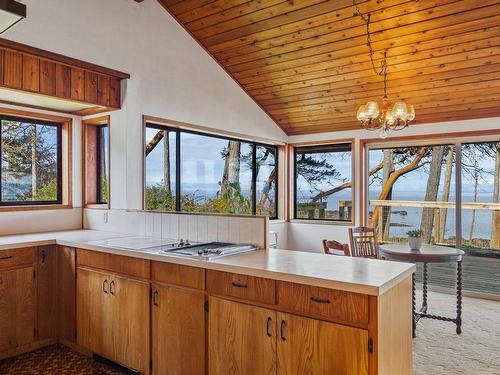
{"points": [[383, 64]]}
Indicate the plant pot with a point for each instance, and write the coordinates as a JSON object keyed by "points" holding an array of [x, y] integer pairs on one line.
{"points": [[415, 243]]}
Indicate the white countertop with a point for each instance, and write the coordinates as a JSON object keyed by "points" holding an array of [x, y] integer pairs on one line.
{"points": [[367, 276]]}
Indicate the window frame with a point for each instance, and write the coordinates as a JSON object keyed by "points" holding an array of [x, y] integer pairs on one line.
{"points": [[59, 183], [454, 139], [178, 190], [99, 199], [293, 174]]}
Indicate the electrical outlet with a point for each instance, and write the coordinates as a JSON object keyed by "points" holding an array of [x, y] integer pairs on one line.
{"points": [[106, 216]]}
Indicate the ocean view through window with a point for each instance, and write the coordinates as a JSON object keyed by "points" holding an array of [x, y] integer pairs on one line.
{"points": [[448, 191], [30, 153], [323, 182], [196, 172]]}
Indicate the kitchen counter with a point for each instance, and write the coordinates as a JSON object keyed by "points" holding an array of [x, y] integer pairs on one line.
{"points": [[367, 276]]}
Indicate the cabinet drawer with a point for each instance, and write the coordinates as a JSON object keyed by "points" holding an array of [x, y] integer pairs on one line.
{"points": [[176, 274], [15, 257], [116, 263], [242, 286], [323, 303]]}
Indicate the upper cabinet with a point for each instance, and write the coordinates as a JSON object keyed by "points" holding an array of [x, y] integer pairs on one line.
{"points": [[37, 78]]}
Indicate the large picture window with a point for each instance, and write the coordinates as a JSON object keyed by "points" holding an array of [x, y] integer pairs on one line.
{"points": [[323, 182], [194, 172], [448, 191], [30, 153]]}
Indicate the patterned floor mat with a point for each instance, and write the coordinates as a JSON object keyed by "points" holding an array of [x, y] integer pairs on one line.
{"points": [[54, 360]]}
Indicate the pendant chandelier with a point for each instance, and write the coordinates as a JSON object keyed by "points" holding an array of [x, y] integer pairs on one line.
{"points": [[386, 116]]}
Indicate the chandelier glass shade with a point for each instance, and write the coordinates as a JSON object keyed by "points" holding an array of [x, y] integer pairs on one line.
{"points": [[385, 117]]}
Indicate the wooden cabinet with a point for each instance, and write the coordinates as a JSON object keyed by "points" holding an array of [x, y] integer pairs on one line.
{"points": [[177, 331], [17, 307], [113, 317], [66, 293], [241, 339], [315, 347], [47, 292], [35, 71]]}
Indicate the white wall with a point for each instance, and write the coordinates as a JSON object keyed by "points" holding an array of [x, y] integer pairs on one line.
{"points": [[308, 236], [171, 77]]}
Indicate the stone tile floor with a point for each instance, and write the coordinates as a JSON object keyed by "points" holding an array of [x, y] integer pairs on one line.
{"points": [[438, 350]]}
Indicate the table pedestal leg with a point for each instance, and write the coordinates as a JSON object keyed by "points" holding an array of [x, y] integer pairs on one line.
{"points": [[424, 289], [414, 315], [458, 320]]}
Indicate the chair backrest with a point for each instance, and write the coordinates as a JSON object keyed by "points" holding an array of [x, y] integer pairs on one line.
{"points": [[363, 242], [335, 245]]}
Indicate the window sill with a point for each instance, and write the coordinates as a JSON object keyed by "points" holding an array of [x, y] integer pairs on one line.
{"points": [[323, 222], [40, 207], [97, 206]]}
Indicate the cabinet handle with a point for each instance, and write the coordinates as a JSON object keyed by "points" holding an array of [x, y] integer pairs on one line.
{"points": [[282, 330], [104, 283], [318, 300], [236, 285], [5, 258], [155, 298], [43, 256], [268, 323], [112, 288]]}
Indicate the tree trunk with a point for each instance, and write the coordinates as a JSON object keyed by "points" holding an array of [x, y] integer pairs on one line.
{"points": [[495, 220], [473, 220], [34, 188], [166, 161], [231, 174], [414, 164], [446, 194], [385, 222], [431, 192]]}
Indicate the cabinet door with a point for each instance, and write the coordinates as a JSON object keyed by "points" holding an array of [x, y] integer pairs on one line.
{"points": [[92, 300], [314, 347], [178, 331], [47, 296], [241, 339], [66, 293], [128, 319], [17, 308]]}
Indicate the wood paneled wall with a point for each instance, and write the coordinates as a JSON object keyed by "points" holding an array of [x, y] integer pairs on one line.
{"points": [[35, 71]]}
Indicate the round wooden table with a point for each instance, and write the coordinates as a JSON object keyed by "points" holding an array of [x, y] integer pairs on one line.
{"points": [[428, 254]]}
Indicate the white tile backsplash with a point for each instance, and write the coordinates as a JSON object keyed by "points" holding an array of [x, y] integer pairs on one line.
{"points": [[195, 227]]}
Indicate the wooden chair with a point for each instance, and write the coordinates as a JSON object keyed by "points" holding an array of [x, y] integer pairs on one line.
{"points": [[363, 242], [334, 245]]}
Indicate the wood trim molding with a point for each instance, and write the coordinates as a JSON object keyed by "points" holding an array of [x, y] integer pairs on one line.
{"points": [[208, 130], [24, 48], [454, 138], [95, 121], [291, 182], [67, 159]]}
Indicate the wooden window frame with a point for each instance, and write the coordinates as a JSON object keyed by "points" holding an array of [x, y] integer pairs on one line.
{"points": [[178, 128], [292, 183], [65, 198], [93, 189], [456, 139]]}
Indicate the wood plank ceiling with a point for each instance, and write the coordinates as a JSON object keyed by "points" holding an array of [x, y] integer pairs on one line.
{"points": [[307, 64]]}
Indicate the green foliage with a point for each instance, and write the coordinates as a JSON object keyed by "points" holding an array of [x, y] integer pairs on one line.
{"points": [[48, 192], [158, 199], [104, 189], [415, 233]]}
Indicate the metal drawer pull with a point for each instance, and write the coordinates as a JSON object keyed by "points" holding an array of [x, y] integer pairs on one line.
{"points": [[5, 258], [318, 300], [43, 256], [111, 288], [155, 298], [236, 285], [268, 323], [104, 289], [282, 330]]}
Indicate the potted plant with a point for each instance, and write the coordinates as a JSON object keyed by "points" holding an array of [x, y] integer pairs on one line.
{"points": [[415, 239]]}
